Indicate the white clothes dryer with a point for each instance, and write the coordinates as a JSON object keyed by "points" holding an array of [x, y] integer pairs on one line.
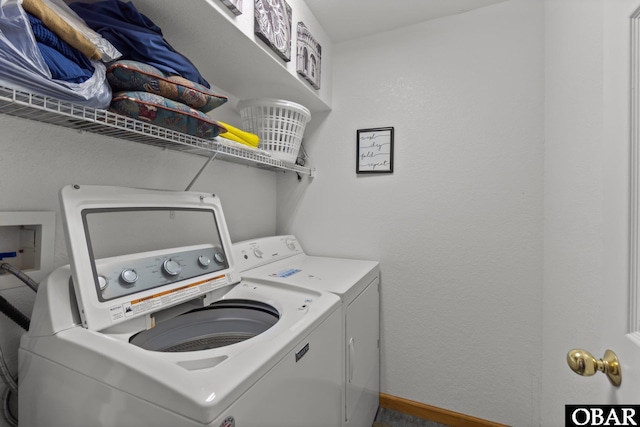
{"points": [[151, 325], [281, 260]]}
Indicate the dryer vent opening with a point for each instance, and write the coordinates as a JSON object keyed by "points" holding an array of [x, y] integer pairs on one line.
{"points": [[220, 324]]}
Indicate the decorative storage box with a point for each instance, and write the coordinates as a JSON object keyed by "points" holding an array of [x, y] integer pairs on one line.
{"points": [[279, 124]]}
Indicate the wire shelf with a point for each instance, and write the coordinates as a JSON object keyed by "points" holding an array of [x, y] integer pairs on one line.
{"points": [[44, 109]]}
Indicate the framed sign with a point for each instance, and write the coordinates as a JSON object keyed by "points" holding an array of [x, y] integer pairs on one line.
{"points": [[374, 150]]}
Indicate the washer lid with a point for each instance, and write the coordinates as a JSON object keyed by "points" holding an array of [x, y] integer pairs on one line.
{"points": [[137, 251]]}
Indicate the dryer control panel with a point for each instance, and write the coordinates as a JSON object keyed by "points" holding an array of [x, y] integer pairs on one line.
{"points": [[250, 254]]}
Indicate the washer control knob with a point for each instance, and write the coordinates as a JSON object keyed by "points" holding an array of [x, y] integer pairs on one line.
{"points": [[204, 261], [102, 282], [129, 276], [258, 252], [171, 267], [219, 257]]}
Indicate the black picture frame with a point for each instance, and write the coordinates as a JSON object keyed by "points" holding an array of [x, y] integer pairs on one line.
{"points": [[374, 150]]}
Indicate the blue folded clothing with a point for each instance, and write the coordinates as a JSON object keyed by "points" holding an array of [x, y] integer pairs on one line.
{"points": [[65, 62], [136, 37], [62, 68]]}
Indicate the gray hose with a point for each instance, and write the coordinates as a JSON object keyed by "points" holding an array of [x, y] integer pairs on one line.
{"points": [[11, 389], [20, 275], [6, 408], [5, 375], [15, 315]]}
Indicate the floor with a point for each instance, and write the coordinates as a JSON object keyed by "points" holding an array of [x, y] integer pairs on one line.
{"points": [[389, 418]]}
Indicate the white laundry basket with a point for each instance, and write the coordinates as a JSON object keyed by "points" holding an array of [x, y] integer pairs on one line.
{"points": [[279, 124]]}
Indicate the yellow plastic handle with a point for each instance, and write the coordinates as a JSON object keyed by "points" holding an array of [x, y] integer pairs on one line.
{"points": [[246, 137]]}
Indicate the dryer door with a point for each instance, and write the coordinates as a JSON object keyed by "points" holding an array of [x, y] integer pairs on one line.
{"points": [[363, 361]]}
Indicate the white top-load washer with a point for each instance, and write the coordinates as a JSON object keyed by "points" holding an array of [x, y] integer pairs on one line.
{"points": [[151, 325], [281, 259]]}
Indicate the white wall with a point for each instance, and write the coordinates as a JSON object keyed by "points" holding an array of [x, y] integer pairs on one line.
{"points": [[573, 197], [458, 226], [36, 160]]}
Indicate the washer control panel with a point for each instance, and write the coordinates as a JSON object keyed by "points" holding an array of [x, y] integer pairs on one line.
{"points": [[126, 275]]}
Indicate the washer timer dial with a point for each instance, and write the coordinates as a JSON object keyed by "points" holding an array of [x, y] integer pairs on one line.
{"points": [[171, 267]]}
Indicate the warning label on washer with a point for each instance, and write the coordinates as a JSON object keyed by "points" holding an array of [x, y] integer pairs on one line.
{"points": [[165, 299]]}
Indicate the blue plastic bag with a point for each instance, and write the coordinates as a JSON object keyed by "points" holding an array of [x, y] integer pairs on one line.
{"points": [[23, 67]]}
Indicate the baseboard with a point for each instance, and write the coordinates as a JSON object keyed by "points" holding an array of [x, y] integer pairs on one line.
{"points": [[432, 413]]}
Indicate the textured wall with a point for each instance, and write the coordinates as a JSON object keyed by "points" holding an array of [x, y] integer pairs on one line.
{"points": [[573, 196], [458, 226]]}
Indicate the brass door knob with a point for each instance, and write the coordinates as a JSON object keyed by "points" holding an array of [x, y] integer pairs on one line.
{"points": [[583, 363]]}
